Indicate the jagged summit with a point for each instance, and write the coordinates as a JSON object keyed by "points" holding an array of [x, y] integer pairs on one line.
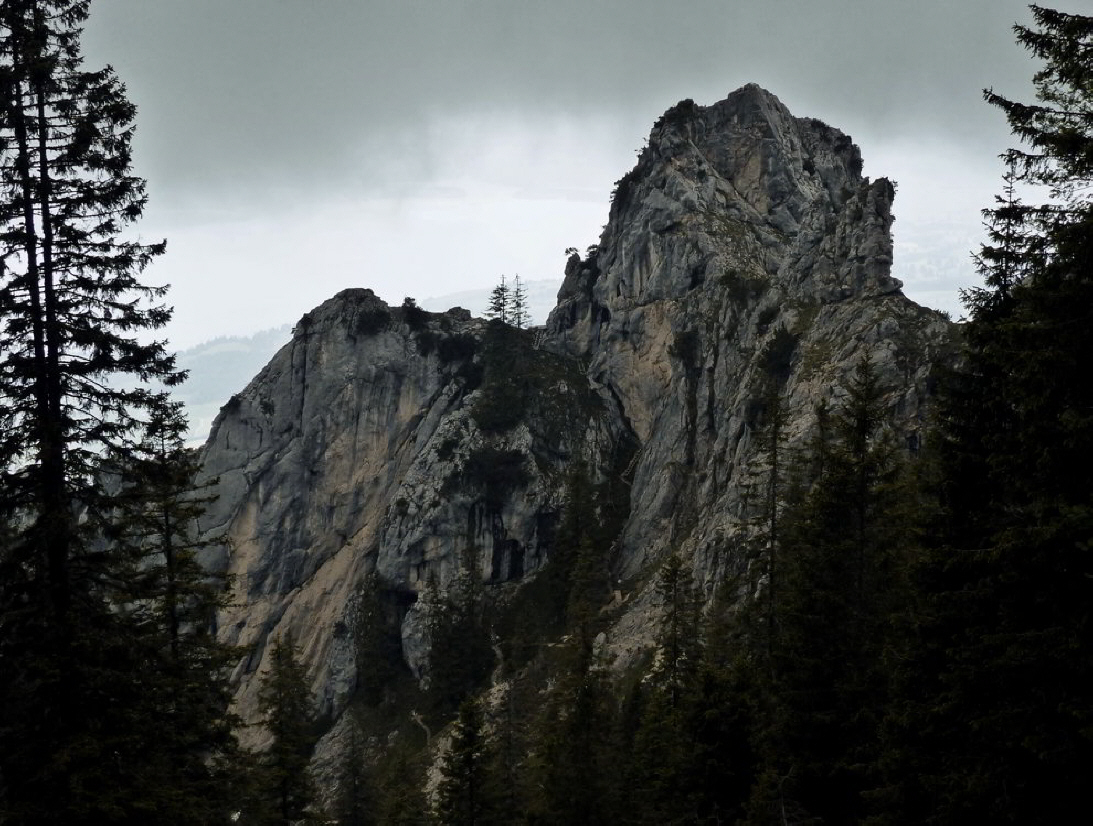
{"points": [[744, 251], [741, 233], [741, 186], [749, 150]]}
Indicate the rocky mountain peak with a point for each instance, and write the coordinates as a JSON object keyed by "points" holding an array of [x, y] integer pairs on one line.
{"points": [[748, 151], [740, 189], [744, 254]]}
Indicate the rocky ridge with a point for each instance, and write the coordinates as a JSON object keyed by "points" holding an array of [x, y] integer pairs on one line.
{"points": [[743, 249]]}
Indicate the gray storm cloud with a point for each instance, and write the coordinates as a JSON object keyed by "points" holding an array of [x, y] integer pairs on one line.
{"points": [[291, 89], [295, 147]]}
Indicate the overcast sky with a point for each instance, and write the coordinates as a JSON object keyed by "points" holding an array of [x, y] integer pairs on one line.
{"points": [[419, 147]]}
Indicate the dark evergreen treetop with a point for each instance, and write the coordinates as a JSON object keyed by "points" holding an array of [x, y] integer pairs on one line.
{"points": [[1056, 130], [1056, 152], [73, 312], [518, 305], [288, 791], [467, 794], [1030, 321], [500, 305]]}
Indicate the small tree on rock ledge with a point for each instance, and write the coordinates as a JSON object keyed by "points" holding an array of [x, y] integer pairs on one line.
{"points": [[500, 303], [518, 313]]}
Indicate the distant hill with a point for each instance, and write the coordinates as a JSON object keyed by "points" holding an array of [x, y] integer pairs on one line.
{"points": [[220, 368]]}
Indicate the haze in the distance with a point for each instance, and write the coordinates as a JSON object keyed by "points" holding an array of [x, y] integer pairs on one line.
{"points": [[422, 147]]}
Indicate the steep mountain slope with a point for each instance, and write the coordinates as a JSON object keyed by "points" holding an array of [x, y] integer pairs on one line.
{"points": [[744, 246], [743, 251]]}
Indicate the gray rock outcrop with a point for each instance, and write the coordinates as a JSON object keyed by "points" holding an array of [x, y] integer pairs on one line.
{"points": [[744, 249], [356, 451]]}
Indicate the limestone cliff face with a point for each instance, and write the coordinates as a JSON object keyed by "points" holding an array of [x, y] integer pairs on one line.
{"points": [[745, 247], [744, 250], [354, 451]]}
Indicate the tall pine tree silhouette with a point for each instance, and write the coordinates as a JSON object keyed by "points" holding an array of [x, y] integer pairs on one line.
{"points": [[94, 606], [467, 794]]}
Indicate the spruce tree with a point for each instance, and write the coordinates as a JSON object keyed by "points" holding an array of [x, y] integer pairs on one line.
{"points": [[400, 797], [764, 500], [573, 773], [842, 547], [732, 688], [172, 600], [518, 312], [500, 307], [287, 789], [378, 653], [467, 794], [666, 774], [460, 652], [511, 724], [356, 802], [679, 644], [103, 622], [572, 769]]}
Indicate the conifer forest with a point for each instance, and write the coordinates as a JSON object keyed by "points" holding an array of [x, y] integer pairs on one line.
{"points": [[898, 632]]}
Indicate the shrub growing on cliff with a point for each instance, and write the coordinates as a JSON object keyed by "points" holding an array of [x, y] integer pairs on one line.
{"points": [[371, 321], [458, 347], [687, 347], [622, 193], [497, 473], [679, 115], [777, 356], [415, 317], [505, 390], [742, 287]]}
